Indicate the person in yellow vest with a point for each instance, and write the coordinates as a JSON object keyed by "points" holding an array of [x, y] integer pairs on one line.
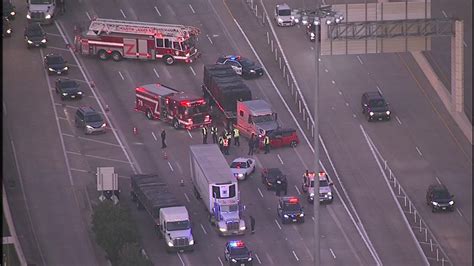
{"points": [[266, 142], [226, 146], [214, 134], [204, 135], [236, 137], [221, 143]]}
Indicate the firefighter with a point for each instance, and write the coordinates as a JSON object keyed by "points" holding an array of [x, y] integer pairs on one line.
{"points": [[226, 146], [252, 224], [214, 134], [204, 135], [221, 143], [163, 138], [228, 136], [251, 144], [266, 142], [236, 137]]}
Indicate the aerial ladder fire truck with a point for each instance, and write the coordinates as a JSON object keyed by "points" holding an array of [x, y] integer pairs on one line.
{"points": [[118, 39]]}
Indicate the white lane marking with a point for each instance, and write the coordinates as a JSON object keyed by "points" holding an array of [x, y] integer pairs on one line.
{"points": [[171, 167], [79, 170], [179, 167], [53, 34], [277, 224], [154, 136], [439, 181], [123, 14], [58, 48], [378, 88], [332, 253], [333, 82], [105, 158], [360, 60], [179, 256], [202, 226], [256, 256], [294, 254], [459, 211], [88, 16], [312, 217], [157, 11], [419, 152], [326, 70], [259, 191], [186, 196], [209, 38], [465, 45], [99, 141], [444, 14], [279, 158], [192, 70], [156, 73], [309, 252], [75, 153], [299, 193], [222, 264], [398, 120], [120, 73], [189, 133], [340, 92], [192, 9], [354, 115], [347, 104], [67, 135]]}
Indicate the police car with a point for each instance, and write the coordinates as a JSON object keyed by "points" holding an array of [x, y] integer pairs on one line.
{"points": [[242, 66], [237, 253], [290, 210]]}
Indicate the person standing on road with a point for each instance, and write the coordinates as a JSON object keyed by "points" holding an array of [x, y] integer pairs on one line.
{"points": [[214, 134], [221, 143], [236, 137], [226, 146], [252, 224], [251, 144], [163, 139], [266, 142], [204, 135]]}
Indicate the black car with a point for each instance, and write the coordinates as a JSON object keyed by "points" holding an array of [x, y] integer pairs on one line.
{"points": [[374, 106], [89, 120], [55, 64], [290, 210], [439, 199], [242, 66], [68, 89], [9, 10], [35, 36], [7, 28], [237, 253], [270, 176]]}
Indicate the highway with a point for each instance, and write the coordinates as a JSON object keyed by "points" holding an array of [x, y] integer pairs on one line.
{"points": [[354, 228]]}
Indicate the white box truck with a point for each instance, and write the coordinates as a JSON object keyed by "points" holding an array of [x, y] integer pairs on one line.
{"points": [[170, 217], [214, 183]]}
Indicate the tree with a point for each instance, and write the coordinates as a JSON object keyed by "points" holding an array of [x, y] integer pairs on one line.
{"points": [[113, 227], [131, 255]]}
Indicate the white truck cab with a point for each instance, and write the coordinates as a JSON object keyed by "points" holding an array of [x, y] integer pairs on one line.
{"points": [[175, 226], [283, 16], [41, 11], [256, 117]]}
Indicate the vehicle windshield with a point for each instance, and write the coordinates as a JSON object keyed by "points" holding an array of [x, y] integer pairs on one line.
{"points": [[34, 31], [229, 208], [311, 183], [238, 165], [246, 63], [93, 118], [240, 251], [189, 43], [323, 183], [292, 207], [263, 118], [178, 225], [68, 84], [197, 109], [55, 60], [377, 103], [441, 195], [41, 2], [284, 12]]}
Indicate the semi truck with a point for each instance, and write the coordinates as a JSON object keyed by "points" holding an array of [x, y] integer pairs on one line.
{"points": [[170, 217], [214, 183], [257, 117]]}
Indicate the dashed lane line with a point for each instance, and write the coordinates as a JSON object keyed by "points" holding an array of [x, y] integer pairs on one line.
{"points": [[294, 254], [192, 70], [203, 229], [157, 11], [277, 224], [260, 192], [279, 158], [332, 253], [123, 14]]}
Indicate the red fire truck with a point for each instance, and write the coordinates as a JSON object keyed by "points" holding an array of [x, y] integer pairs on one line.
{"points": [[118, 39], [180, 109]]}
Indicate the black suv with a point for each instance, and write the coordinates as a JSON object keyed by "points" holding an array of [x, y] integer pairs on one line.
{"points": [[270, 177], [9, 10], [7, 28], [237, 253], [90, 120], [290, 210], [374, 106], [68, 89], [439, 198], [242, 66], [35, 36], [55, 64]]}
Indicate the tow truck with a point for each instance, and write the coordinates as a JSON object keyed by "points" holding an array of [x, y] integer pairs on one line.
{"points": [[325, 191]]}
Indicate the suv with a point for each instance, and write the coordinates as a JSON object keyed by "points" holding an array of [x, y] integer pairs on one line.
{"points": [[325, 190], [90, 120], [282, 137], [35, 36], [41, 11], [290, 210], [439, 198], [270, 176], [374, 106], [283, 15]]}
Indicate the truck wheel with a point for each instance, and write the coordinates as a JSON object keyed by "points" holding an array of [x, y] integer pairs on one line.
{"points": [[176, 124], [148, 114], [103, 55], [293, 144], [169, 60], [117, 56]]}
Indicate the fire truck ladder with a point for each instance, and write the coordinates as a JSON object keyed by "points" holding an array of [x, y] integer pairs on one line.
{"points": [[108, 26]]}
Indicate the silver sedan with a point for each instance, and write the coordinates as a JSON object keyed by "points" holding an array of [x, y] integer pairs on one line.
{"points": [[242, 167]]}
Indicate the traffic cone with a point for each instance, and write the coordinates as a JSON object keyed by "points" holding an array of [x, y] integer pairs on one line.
{"points": [[135, 131]]}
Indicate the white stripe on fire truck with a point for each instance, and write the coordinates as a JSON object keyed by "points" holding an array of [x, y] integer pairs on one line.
{"points": [[106, 43]]}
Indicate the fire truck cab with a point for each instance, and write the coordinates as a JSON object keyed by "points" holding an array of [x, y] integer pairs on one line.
{"points": [[180, 109], [118, 39]]}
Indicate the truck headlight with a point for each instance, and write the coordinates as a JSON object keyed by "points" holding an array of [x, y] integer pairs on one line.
{"points": [[64, 93], [89, 127], [451, 202], [388, 112], [170, 243], [9, 31], [79, 92], [43, 40], [371, 113], [240, 175], [280, 20], [12, 13], [329, 193], [242, 227], [65, 68], [435, 203], [302, 215], [234, 260], [311, 194], [103, 125], [30, 42], [284, 215], [50, 69], [191, 242], [312, 34], [28, 16], [222, 229], [252, 71], [48, 16], [250, 259], [297, 20]]}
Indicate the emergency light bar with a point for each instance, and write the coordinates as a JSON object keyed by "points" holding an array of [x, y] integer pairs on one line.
{"points": [[294, 200], [237, 244]]}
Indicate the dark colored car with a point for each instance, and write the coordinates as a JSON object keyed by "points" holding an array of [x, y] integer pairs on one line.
{"points": [[311, 32], [9, 10], [374, 106], [282, 137], [290, 210], [68, 89], [55, 64], [90, 120], [237, 253], [270, 177], [242, 66], [35, 36], [7, 28], [439, 199]]}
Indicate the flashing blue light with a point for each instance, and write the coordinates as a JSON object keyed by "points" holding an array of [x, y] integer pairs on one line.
{"points": [[236, 244]]}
